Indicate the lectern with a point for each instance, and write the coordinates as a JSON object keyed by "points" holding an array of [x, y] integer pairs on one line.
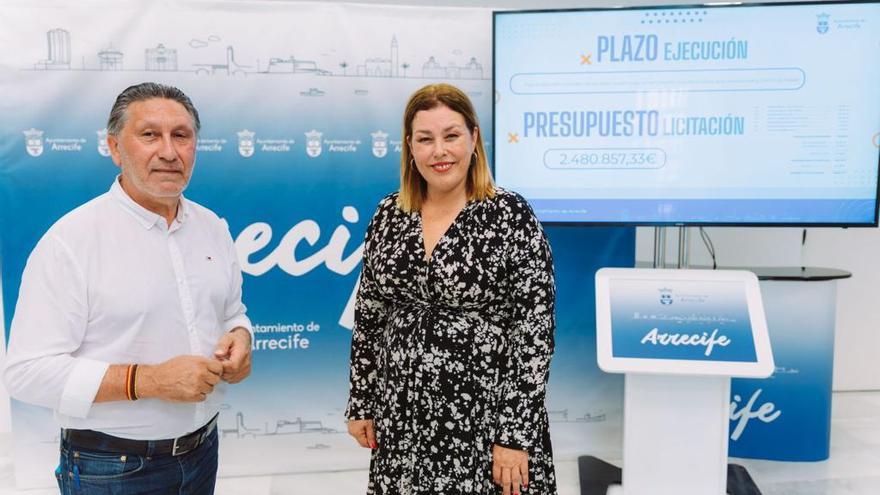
{"points": [[679, 336]]}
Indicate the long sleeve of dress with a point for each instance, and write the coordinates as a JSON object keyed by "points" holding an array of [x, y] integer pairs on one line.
{"points": [[369, 325], [531, 342]]}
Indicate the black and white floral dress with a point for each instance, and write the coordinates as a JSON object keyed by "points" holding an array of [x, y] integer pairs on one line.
{"points": [[451, 355]]}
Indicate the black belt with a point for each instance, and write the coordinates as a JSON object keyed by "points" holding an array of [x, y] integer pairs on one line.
{"points": [[102, 442]]}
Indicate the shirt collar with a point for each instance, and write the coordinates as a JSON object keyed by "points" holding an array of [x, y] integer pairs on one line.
{"points": [[144, 216]]}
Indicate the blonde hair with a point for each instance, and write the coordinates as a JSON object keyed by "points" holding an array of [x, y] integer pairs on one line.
{"points": [[413, 187]]}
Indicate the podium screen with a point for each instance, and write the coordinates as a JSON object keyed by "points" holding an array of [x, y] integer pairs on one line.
{"points": [[687, 321]]}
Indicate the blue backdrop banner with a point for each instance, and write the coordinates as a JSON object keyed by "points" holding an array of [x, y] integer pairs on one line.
{"points": [[301, 106]]}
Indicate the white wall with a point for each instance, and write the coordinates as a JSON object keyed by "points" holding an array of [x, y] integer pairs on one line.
{"points": [[857, 343]]}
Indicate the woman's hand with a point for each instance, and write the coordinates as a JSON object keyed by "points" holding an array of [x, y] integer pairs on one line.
{"points": [[362, 430], [510, 469]]}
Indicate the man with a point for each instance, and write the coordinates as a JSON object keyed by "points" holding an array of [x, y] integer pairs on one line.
{"points": [[129, 317]]}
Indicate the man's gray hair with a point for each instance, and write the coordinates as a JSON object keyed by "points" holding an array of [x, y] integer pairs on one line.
{"points": [[147, 91]]}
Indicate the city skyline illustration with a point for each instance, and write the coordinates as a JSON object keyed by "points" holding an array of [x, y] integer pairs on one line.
{"points": [[165, 58]]}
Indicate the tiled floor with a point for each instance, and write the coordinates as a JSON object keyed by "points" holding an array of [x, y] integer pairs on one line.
{"points": [[853, 469]]}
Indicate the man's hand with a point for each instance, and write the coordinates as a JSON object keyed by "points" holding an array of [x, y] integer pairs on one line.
{"points": [[510, 469], [180, 379], [234, 353], [363, 431]]}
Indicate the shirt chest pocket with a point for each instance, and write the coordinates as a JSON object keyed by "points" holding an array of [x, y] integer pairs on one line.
{"points": [[208, 283]]}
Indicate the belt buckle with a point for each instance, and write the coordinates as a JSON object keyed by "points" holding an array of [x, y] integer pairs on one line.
{"points": [[175, 446], [199, 438]]}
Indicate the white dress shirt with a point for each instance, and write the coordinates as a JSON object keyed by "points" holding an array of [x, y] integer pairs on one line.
{"points": [[112, 283]]}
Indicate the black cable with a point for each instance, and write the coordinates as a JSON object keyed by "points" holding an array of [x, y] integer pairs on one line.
{"points": [[707, 241], [803, 248]]}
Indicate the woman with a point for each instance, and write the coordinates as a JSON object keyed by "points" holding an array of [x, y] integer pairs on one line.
{"points": [[454, 320]]}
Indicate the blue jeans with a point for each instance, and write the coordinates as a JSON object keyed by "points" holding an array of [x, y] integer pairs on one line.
{"points": [[89, 472]]}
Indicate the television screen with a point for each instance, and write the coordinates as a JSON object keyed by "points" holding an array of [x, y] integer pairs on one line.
{"points": [[691, 115]]}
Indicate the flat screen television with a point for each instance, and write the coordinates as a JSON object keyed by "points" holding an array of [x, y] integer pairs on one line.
{"points": [[737, 114]]}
